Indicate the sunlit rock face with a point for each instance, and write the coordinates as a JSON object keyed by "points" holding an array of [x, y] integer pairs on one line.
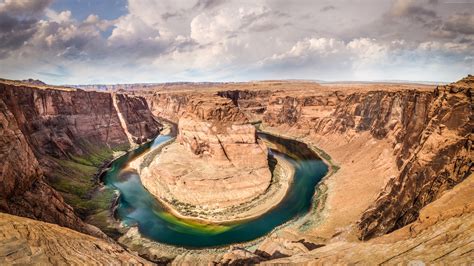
{"points": [[213, 127], [217, 160]]}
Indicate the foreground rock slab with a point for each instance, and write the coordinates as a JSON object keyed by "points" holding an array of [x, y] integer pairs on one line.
{"points": [[26, 241]]}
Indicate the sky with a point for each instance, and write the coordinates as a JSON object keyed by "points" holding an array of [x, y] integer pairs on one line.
{"points": [[135, 41]]}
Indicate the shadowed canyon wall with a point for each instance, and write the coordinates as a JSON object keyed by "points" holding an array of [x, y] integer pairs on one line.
{"points": [[60, 137]]}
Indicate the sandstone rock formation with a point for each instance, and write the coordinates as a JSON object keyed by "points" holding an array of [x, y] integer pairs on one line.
{"points": [[170, 106], [217, 161], [59, 137], [139, 121], [442, 234], [392, 136], [252, 103], [23, 189], [428, 131], [440, 159], [25, 241]]}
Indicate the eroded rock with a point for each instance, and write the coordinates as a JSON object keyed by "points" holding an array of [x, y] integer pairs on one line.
{"points": [[216, 162]]}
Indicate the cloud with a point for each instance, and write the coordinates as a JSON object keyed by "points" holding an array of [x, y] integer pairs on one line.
{"points": [[24, 8], [18, 23], [314, 50], [368, 59], [327, 8], [208, 4], [462, 23], [411, 9], [217, 40], [229, 22], [14, 33]]}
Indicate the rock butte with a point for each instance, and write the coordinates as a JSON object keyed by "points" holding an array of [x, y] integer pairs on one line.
{"points": [[217, 161], [402, 190]]}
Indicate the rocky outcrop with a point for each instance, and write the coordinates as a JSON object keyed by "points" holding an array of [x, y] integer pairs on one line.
{"points": [[440, 159], [25, 241], [23, 190], [169, 106], [140, 123], [64, 123], [60, 137], [442, 234], [14, 152], [252, 102], [217, 161], [429, 131], [213, 127]]}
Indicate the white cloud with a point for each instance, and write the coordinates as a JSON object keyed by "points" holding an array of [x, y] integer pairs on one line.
{"points": [[62, 17]]}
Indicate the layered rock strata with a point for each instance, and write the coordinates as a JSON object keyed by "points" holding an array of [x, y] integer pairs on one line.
{"points": [[60, 137], [24, 241], [217, 161], [252, 103], [406, 130], [442, 234], [170, 106], [440, 159], [23, 190], [399, 147]]}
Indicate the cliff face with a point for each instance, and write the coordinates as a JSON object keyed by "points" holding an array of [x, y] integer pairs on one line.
{"points": [[137, 116], [14, 151], [440, 159], [168, 105], [23, 190], [441, 235], [214, 127], [252, 103], [429, 132], [62, 136], [58, 122]]}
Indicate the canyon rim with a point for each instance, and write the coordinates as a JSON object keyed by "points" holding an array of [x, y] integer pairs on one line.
{"points": [[236, 132]]}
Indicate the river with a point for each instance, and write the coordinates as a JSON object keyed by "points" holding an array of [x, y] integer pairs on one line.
{"points": [[137, 207]]}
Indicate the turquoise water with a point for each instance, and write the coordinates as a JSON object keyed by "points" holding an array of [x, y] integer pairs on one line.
{"points": [[137, 207]]}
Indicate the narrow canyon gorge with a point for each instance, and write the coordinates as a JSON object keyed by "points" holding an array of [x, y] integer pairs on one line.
{"points": [[84, 173]]}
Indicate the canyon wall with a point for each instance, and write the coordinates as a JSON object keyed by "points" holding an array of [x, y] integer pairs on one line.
{"points": [[59, 138], [169, 106], [172, 105], [429, 131], [140, 122], [439, 159], [23, 189], [251, 102]]}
